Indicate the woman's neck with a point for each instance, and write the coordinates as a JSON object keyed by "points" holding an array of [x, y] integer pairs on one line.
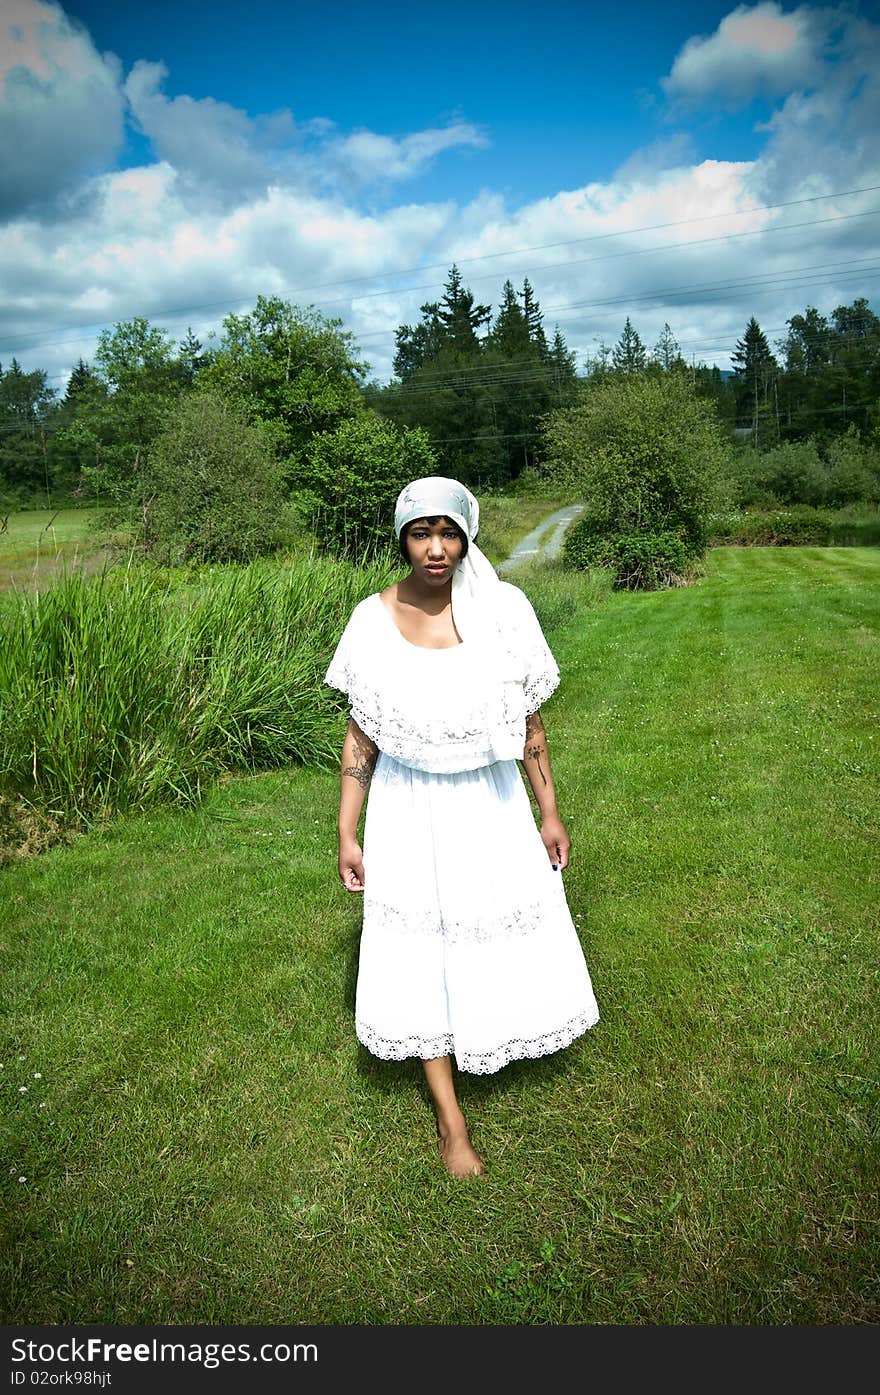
{"points": [[413, 590]]}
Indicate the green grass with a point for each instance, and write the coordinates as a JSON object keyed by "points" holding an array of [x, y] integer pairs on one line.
{"points": [[39, 543], [215, 1147], [141, 685]]}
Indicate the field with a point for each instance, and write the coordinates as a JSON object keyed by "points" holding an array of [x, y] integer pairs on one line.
{"points": [[38, 543], [192, 1134]]}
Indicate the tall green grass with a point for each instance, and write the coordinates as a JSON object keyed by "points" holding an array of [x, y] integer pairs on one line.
{"points": [[139, 686]]}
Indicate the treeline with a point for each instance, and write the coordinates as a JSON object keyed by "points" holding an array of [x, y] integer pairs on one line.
{"points": [[472, 392]]}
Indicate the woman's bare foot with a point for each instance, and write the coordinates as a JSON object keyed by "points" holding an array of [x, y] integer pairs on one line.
{"points": [[459, 1156]]}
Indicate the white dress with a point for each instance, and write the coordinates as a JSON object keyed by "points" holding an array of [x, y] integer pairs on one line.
{"points": [[468, 947]]}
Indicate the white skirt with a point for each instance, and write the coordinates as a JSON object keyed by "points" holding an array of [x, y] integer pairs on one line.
{"points": [[468, 947]]}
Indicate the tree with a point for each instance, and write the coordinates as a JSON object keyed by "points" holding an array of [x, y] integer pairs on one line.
{"points": [[534, 319], [563, 368], [211, 488], [354, 475], [645, 453], [667, 352], [289, 368], [629, 351], [459, 317], [417, 344], [191, 357], [114, 412], [755, 370], [510, 332], [25, 405]]}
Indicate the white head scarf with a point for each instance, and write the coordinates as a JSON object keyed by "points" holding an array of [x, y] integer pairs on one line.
{"points": [[475, 579]]}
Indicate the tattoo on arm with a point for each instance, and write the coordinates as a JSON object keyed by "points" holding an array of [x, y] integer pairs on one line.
{"points": [[365, 756], [535, 746]]}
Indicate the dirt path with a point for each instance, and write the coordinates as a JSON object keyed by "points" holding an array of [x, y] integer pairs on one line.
{"points": [[545, 540]]}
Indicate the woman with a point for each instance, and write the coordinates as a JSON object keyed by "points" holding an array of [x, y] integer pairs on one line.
{"points": [[468, 947]]}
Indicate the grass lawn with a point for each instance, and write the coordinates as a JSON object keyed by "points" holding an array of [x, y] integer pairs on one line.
{"points": [[37, 543], [202, 1140]]}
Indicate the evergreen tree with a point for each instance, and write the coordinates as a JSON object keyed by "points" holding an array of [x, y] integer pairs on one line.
{"points": [[83, 380], [534, 318], [563, 367], [510, 332], [190, 357], [854, 379], [667, 352], [418, 344], [459, 317], [755, 369], [629, 351]]}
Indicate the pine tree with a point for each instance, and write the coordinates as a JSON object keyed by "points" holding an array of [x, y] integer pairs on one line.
{"points": [[667, 351], [417, 344], [510, 332], [190, 356], [755, 369], [534, 318], [83, 379], [563, 366], [459, 317], [629, 351]]}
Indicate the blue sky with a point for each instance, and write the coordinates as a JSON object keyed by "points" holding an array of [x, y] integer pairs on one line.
{"points": [[563, 92], [694, 164]]}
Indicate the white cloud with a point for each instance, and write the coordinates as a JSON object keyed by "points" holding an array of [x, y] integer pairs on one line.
{"points": [[61, 110], [367, 158], [757, 50], [217, 147]]}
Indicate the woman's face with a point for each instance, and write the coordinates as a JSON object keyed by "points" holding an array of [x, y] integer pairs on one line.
{"points": [[434, 549]]}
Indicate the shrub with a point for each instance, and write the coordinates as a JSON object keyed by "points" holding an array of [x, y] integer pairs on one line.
{"points": [[645, 454], [793, 473], [211, 489], [139, 686], [638, 561], [801, 525], [353, 476], [852, 470]]}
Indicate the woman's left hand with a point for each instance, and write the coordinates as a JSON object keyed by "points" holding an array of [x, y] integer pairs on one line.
{"points": [[556, 841]]}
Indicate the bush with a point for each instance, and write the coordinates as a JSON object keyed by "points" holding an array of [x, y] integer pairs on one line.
{"points": [[793, 473], [211, 489], [852, 470], [638, 561], [353, 476], [645, 454], [799, 526]]}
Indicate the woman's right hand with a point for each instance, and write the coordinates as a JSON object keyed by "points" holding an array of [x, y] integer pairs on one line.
{"points": [[351, 864]]}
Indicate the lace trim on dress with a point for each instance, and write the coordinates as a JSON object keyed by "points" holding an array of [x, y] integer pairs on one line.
{"points": [[391, 1049], [521, 920], [537, 689], [519, 1048], [476, 1062], [447, 749]]}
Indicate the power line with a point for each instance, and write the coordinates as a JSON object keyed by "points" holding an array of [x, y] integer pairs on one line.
{"points": [[175, 313]]}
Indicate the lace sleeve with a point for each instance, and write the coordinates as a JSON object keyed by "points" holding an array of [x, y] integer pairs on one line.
{"points": [[539, 668], [343, 665]]}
